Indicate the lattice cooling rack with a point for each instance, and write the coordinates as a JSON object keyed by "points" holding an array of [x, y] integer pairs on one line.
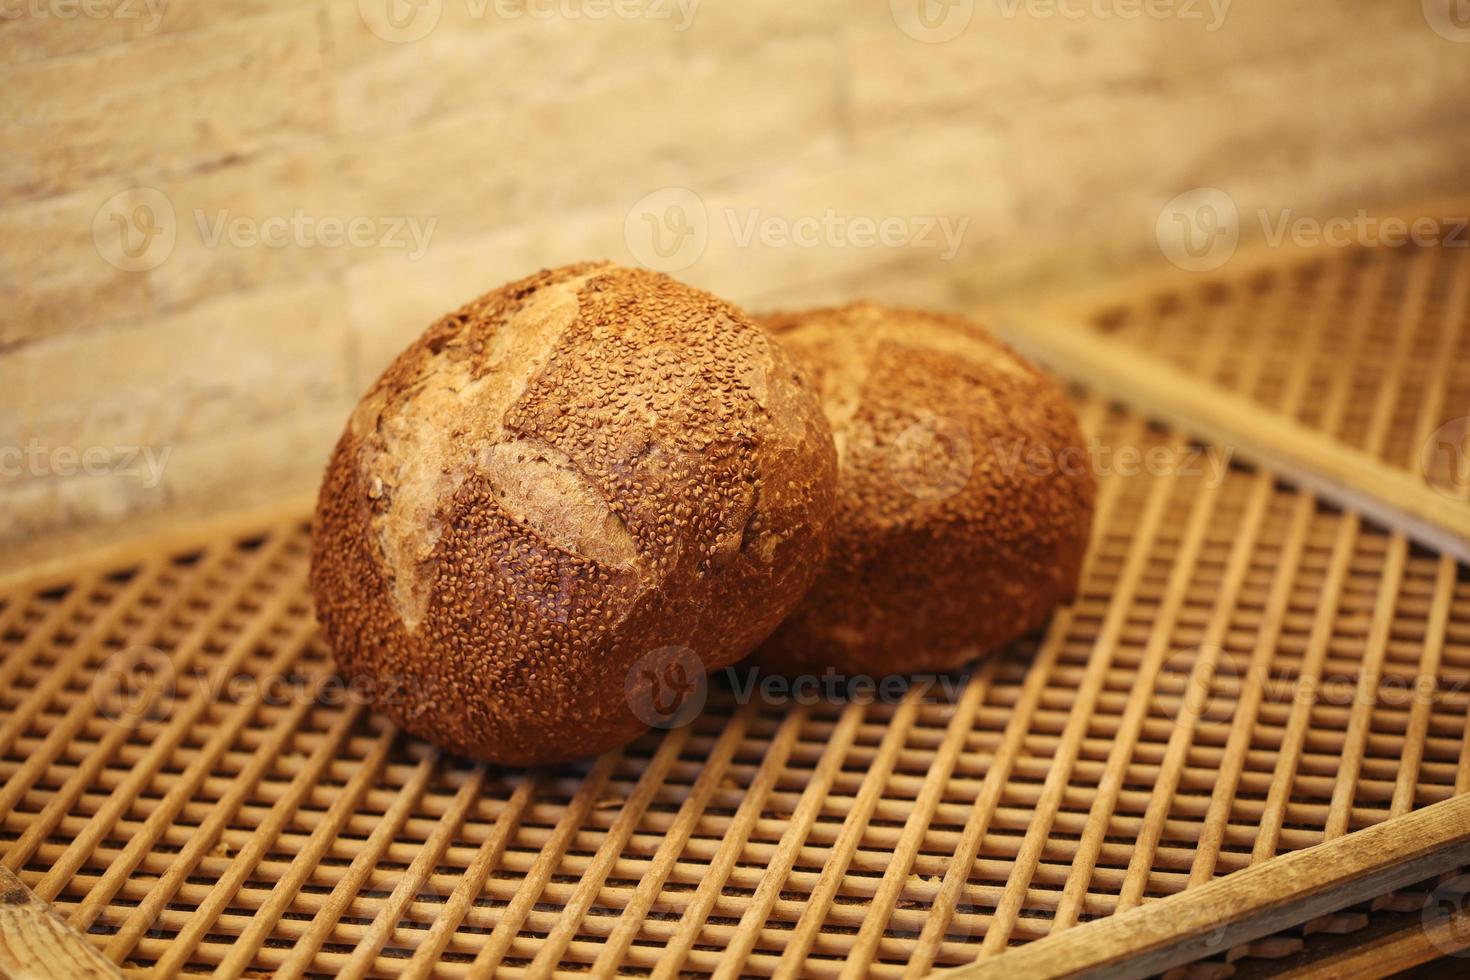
{"points": [[1247, 672], [1368, 346], [1342, 370]]}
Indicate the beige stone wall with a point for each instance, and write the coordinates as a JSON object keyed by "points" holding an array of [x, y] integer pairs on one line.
{"points": [[156, 353]]}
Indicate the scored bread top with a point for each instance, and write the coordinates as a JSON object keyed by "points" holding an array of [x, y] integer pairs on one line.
{"points": [[446, 420], [965, 493], [560, 476]]}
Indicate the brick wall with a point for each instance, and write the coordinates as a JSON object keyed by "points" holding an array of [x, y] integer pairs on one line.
{"points": [[220, 218]]}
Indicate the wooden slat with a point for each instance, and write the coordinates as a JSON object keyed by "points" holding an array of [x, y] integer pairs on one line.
{"points": [[37, 944], [1252, 903]]}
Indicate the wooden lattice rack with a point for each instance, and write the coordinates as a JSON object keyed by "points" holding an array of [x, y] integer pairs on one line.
{"points": [[1249, 671]]}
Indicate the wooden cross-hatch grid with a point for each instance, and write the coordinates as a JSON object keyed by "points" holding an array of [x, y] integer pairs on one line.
{"points": [[1247, 671], [1369, 346]]}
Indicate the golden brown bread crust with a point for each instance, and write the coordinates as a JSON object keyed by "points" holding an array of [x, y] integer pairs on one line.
{"points": [[964, 501], [571, 471]]}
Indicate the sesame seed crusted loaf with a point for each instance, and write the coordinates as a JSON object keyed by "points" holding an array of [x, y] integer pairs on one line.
{"points": [[563, 476], [964, 499]]}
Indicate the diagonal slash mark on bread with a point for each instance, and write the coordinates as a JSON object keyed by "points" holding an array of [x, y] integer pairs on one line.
{"points": [[420, 461], [546, 490]]}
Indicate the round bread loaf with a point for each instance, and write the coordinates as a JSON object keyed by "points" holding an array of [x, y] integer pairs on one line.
{"points": [[561, 504], [964, 499]]}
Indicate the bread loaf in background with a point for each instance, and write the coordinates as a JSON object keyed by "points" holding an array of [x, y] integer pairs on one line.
{"points": [[572, 473], [964, 500]]}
